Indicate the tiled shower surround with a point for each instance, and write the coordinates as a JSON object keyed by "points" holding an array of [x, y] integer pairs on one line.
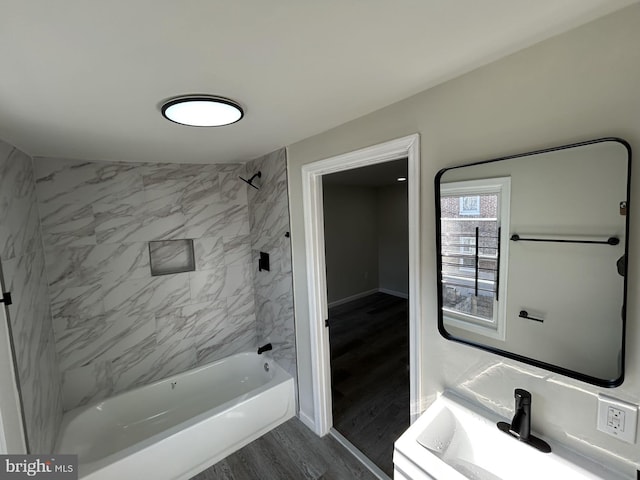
{"points": [[116, 326], [23, 266], [269, 219]]}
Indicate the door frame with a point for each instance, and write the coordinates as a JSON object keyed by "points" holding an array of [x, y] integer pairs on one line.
{"points": [[312, 173]]}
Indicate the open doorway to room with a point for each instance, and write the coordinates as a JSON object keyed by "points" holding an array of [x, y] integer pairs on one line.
{"points": [[322, 420], [366, 237]]}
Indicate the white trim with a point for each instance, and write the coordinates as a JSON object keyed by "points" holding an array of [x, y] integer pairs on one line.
{"points": [[350, 298], [355, 451], [316, 276], [3, 441], [495, 328], [307, 420], [394, 293], [356, 296]]}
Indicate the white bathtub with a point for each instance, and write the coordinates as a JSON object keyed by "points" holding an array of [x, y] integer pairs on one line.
{"points": [[177, 427]]}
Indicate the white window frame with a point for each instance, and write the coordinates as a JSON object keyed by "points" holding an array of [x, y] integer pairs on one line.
{"points": [[502, 186]]}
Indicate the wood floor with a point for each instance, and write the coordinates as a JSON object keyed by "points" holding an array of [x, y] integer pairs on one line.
{"points": [[369, 340], [289, 452]]}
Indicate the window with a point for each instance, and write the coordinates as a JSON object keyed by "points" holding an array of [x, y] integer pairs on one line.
{"points": [[467, 249], [474, 229], [470, 205]]}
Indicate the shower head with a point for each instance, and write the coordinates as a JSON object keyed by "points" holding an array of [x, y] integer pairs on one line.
{"points": [[259, 175]]}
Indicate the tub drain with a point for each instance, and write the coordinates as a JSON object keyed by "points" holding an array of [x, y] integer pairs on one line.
{"points": [[266, 367]]}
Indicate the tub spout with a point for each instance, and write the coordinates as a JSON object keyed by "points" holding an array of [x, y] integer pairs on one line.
{"points": [[264, 348]]}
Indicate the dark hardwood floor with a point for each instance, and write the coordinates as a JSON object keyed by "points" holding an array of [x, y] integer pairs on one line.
{"points": [[369, 340], [289, 452]]}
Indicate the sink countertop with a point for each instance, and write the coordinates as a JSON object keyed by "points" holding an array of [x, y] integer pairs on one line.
{"points": [[455, 439]]}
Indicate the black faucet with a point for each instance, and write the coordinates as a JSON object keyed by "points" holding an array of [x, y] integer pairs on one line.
{"points": [[521, 423], [520, 427], [264, 348]]}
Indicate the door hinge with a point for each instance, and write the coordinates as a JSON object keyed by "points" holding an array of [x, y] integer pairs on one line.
{"points": [[326, 323], [6, 298]]}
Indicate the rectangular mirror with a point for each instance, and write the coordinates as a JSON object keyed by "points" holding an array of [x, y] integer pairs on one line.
{"points": [[532, 257]]}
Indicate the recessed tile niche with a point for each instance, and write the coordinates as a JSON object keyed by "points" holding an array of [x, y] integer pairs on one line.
{"points": [[171, 256]]}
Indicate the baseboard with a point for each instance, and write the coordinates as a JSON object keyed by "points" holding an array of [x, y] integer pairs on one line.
{"points": [[394, 293], [352, 297], [373, 468], [366, 294], [307, 421]]}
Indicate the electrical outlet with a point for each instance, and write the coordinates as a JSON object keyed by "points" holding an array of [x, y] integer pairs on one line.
{"points": [[617, 418]]}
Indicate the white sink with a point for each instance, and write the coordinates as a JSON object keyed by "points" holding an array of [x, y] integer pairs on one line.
{"points": [[455, 439]]}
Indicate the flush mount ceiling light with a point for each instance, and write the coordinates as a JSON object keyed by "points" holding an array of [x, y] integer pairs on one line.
{"points": [[202, 111], [401, 179]]}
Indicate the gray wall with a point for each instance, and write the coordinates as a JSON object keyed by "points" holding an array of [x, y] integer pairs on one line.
{"points": [[116, 326], [393, 239], [23, 264], [576, 86], [351, 240], [366, 240], [269, 224]]}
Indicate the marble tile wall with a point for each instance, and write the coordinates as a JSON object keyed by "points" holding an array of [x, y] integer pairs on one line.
{"points": [[269, 224], [117, 327], [23, 264]]}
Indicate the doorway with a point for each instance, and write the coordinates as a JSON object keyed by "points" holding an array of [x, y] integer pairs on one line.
{"points": [[406, 147], [367, 269]]}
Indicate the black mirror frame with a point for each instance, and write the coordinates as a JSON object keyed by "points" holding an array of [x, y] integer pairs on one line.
{"points": [[514, 356]]}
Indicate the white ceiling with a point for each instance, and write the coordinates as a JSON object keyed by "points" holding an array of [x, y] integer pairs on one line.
{"points": [[85, 78]]}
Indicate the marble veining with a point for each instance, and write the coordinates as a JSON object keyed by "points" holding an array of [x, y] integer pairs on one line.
{"points": [[103, 340], [81, 385], [136, 297], [215, 219], [107, 324], [72, 306], [205, 188], [159, 361], [229, 191], [96, 315], [207, 285], [94, 264], [165, 180], [23, 264], [243, 304], [237, 250], [238, 280], [158, 219], [65, 225], [71, 181], [209, 252], [269, 222], [18, 214], [117, 327], [241, 337]]}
